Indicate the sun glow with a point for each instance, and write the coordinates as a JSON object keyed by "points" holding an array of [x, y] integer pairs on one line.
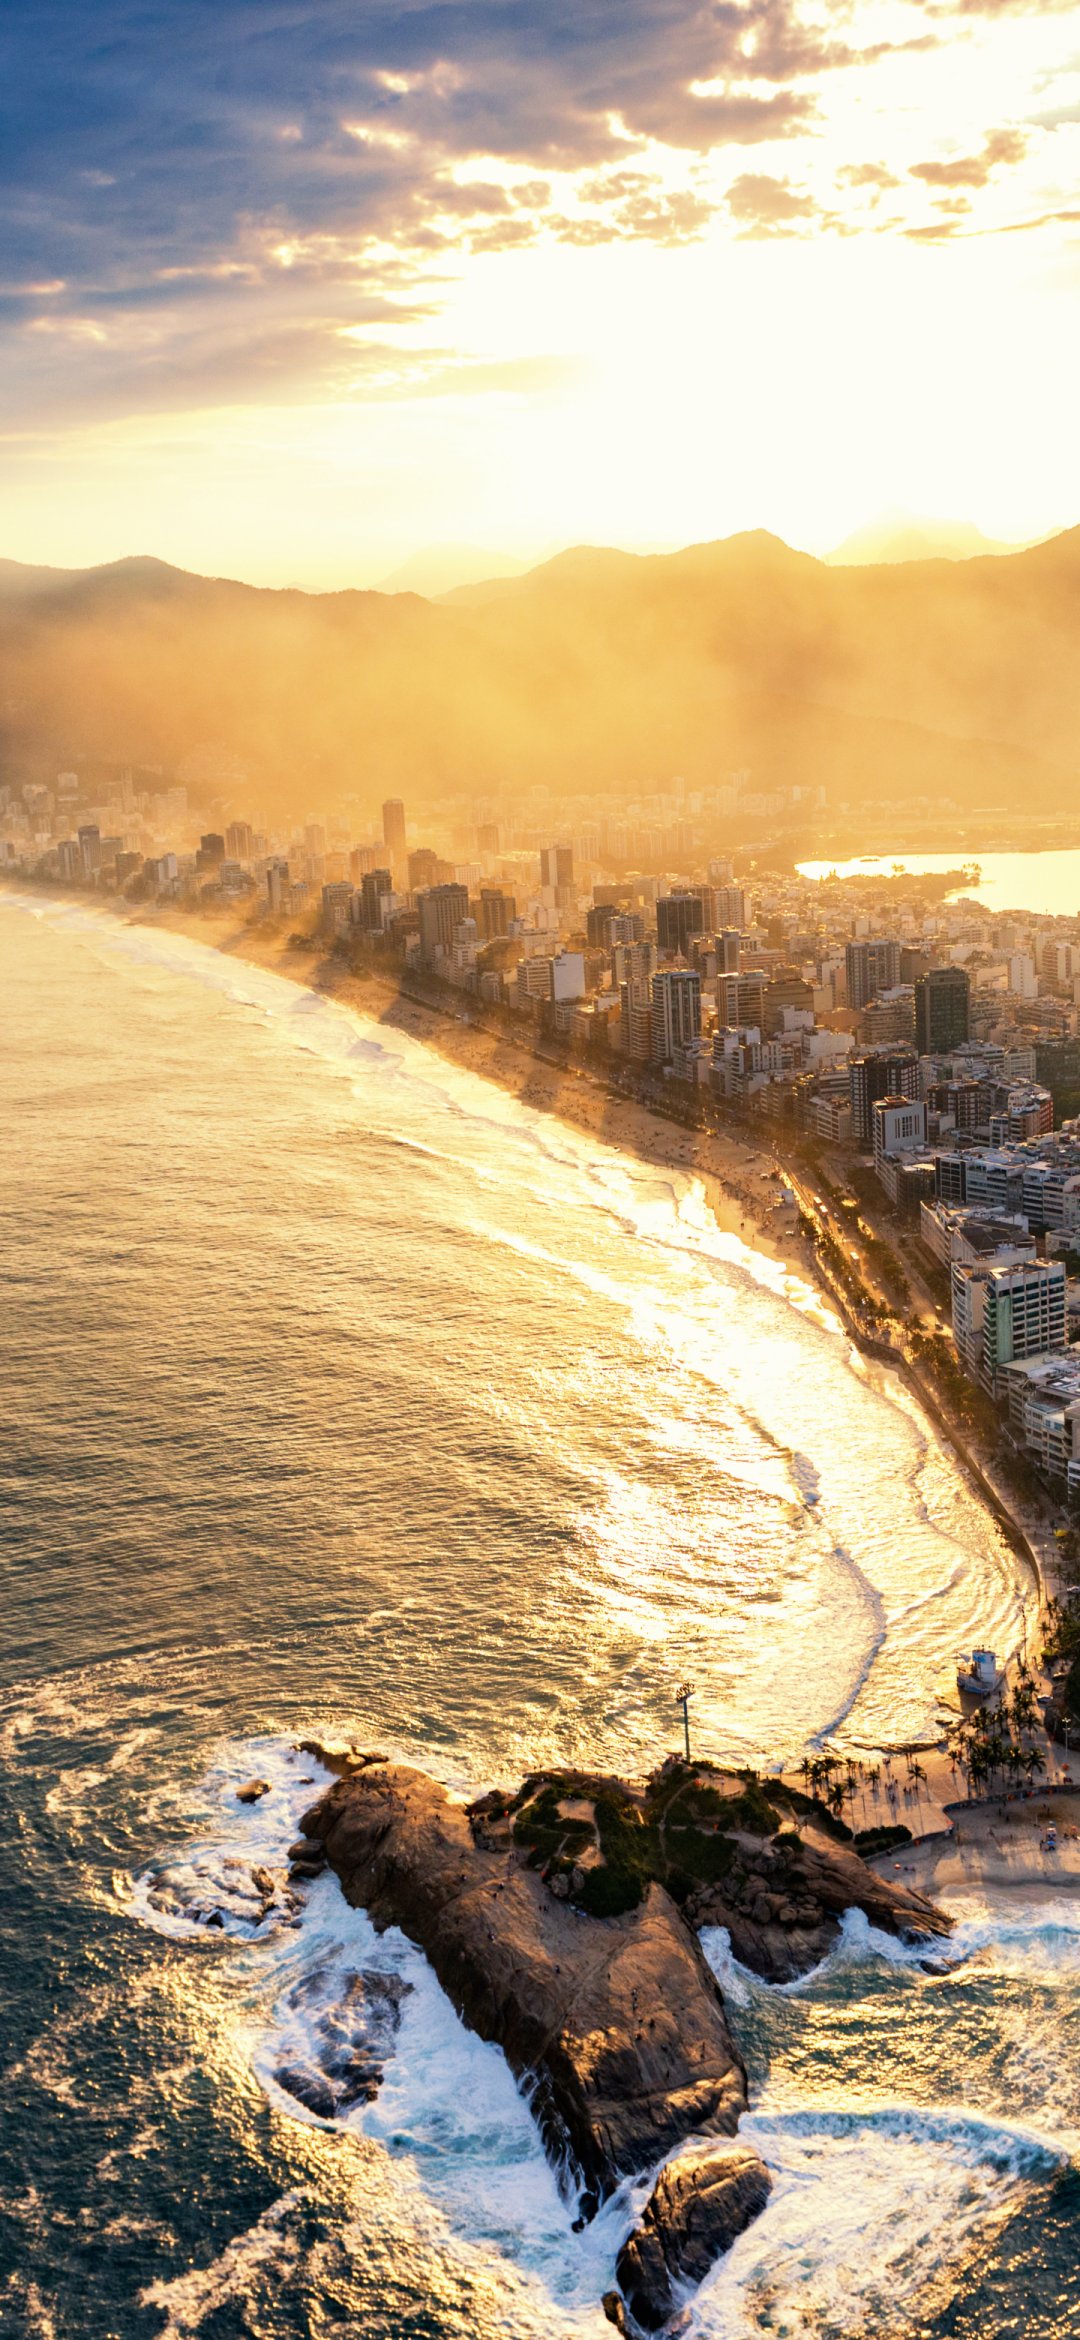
{"points": [[775, 294]]}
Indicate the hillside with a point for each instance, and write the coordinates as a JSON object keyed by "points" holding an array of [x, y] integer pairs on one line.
{"points": [[600, 670]]}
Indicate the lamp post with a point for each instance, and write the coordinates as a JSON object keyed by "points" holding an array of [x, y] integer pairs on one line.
{"points": [[682, 1698]]}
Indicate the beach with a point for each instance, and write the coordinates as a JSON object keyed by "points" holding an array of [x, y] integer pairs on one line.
{"points": [[742, 1179], [999, 1845]]}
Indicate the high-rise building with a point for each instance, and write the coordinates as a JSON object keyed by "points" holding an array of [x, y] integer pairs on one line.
{"points": [[899, 1126], [487, 837], [942, 1010], [90, 849], [871, 967], [423, 866], [1007, 1311], [634, 965], [393, 829], [728, 948], [740, 1000], [729, 906], [676, 1004], [877, 1073], [375, 890], [679, 916], [496, 911], [600, 920], [557, 865], [211, 851], [442, 909], [240, 840]]}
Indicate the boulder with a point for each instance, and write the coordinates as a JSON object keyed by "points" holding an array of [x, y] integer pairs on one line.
{"points": [[698, 2207], [309, 2088], [252, 1790]]}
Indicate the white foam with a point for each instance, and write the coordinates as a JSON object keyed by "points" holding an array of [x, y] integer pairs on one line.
{"points": [[873, 2210], [447, 2109], [267, 2252], [233, 1880]]}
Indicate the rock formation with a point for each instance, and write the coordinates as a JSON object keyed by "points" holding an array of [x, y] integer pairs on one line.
{"points": [[617, 2033], [698, 2207], [562, 1922]]}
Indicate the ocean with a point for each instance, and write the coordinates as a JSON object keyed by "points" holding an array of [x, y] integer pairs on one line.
{"points": [[346, 1394]]}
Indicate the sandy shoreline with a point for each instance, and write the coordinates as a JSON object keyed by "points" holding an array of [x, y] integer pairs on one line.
{"points": [[998, 1846], [740, 1179]]}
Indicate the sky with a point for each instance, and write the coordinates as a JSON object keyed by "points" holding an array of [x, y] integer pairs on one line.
{"points": [[290, 288]]}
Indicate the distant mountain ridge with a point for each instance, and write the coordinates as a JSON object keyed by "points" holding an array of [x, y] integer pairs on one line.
{"points": [[888, 541], [599, 671]]}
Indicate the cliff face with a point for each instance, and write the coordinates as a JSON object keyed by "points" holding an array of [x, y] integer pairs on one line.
{"points": [[616, 2030]]}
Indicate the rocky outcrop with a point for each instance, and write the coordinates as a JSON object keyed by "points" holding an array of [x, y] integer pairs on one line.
{"points": [[615, 2030], [699, 2206], [348, 2041], [782, 1905], [562, 1922]]}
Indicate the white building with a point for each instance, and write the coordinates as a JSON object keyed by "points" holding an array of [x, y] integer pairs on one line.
{"points": [[1006, 1312], [1044, 1412], [899, 1126], [964, 1232], [676, 1003]]}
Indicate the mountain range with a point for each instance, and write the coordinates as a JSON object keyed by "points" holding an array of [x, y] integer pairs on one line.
{"points": [[599, 671]]}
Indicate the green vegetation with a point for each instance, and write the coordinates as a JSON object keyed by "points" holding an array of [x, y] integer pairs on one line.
{"points": [[1070, 1694], [990, 1745], [879, 1840], [684, 1831], [629, 1848], [630, 1858]]}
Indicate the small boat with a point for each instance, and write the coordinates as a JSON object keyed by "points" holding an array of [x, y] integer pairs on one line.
{"points": [[979, 1676]]}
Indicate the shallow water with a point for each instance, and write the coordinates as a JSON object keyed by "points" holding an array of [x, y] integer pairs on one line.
{"points": [[346, 1392], [1047, 883]]}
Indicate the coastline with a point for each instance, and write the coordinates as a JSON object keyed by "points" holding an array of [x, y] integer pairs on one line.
{"points": [[994, 1845], [740, 1179], [740, 1176]]}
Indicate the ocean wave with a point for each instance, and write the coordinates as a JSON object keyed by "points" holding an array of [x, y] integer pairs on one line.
{"points": [[874, 2210]]}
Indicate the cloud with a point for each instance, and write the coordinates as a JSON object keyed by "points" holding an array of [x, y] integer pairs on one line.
{"points": [[764, 206], [155, 151], [974, 170], [205, 178], [868, 174]]}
